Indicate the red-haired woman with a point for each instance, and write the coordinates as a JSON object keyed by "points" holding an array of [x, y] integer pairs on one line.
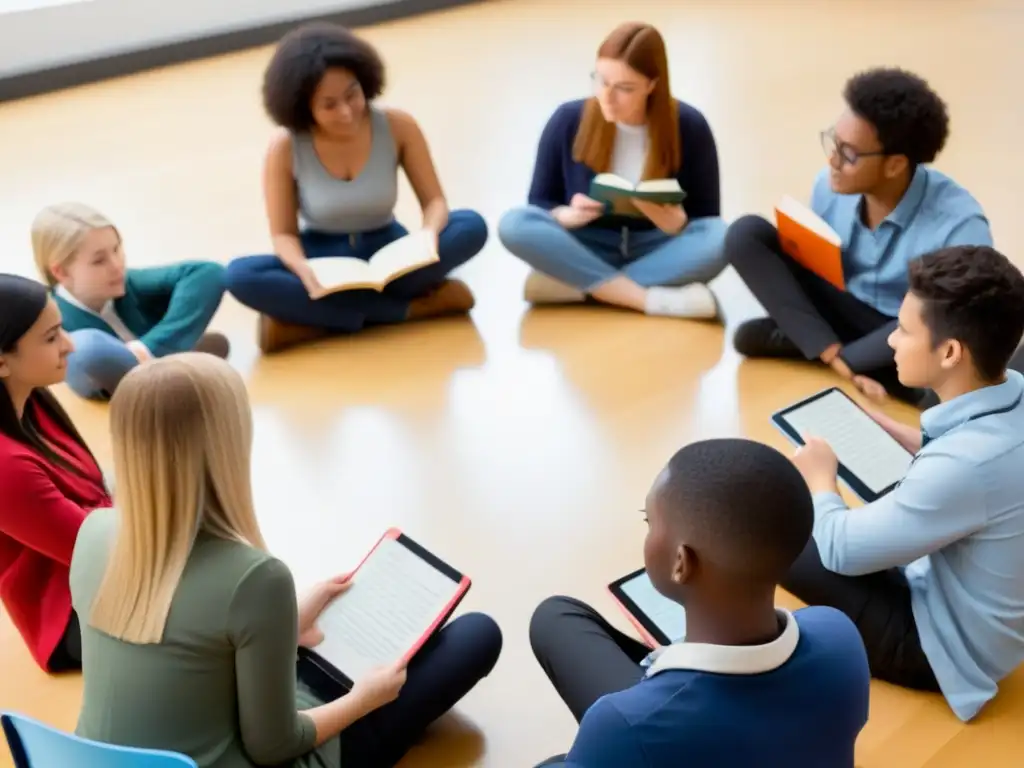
{"points": [[644, 256]]}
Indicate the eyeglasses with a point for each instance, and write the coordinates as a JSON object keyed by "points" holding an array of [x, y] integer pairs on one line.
{"points": [[619, 89], [843, 151]]}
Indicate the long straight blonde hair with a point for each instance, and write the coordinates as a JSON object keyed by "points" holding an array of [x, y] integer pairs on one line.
{"points": [[182, 436], [57, 234]]}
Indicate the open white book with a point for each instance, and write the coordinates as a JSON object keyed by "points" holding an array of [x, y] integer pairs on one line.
{"points": [[608, 186], [344, 273]]}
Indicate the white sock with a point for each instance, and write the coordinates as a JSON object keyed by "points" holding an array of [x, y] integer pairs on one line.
{"points": [[695, 301]]}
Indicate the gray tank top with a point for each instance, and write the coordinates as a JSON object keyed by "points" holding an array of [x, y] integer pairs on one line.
{"points": [[330, 204]]}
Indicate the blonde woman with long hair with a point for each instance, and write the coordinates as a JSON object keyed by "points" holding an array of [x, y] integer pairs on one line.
{"points": [[191, 629], [119, 317]]}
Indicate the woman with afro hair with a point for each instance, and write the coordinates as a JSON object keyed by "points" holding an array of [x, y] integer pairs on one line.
{"points": [[331, 185]]}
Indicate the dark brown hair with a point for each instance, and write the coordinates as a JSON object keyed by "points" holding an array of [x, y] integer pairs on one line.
{"points": [[642, 48], [975, 295]]}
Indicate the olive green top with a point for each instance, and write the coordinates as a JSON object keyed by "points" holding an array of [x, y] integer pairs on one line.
{"points": [[221, 687]]}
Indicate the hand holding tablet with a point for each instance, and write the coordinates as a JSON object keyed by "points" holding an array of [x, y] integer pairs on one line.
{"points": [[397, 598], [870, 460]]}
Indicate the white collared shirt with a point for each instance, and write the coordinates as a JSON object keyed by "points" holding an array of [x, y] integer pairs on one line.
{"points": [[728, 659], [107, 314]]}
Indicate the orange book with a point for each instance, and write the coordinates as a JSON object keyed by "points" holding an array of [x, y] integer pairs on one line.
{"points": [[809, 241]]}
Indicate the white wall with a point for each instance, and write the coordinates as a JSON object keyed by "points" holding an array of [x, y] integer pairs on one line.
{"points": [[79, 30]]}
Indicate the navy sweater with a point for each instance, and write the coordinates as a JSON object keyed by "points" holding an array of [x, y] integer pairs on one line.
{"points": [[807, 713], [557, 177]]}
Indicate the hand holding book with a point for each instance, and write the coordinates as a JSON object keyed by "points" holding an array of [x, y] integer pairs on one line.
{"points": [[324, 276], [670, 219]]}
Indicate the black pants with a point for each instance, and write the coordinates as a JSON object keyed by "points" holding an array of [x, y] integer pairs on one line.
{"points": [[810, 311], [879, 604], [446, 668], [583, 655], [67, 657]]}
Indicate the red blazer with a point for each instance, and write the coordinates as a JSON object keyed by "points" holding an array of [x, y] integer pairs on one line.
{"points": [[42, 506]]}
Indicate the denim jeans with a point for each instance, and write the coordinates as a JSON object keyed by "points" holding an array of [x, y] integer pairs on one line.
{"points": [[98, 363], [587, 257], [265, 284]]}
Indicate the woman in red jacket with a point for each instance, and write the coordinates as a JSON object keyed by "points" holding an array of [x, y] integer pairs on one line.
{"points": [[49, 480]]}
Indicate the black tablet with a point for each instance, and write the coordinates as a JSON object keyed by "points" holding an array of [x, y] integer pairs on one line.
{"points": [[401, 594], [659, 621], [871, 462]]}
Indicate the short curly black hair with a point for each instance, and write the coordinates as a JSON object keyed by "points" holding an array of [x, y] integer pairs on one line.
{"points": [[908, 115], [973, 294], [302, 58]]}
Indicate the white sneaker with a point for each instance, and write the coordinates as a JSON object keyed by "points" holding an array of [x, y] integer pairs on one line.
{"points": [[694, 301]]}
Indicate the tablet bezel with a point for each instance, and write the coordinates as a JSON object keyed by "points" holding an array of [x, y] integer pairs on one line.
{"points": [[324, 667], [651, 633], [854, 483]]}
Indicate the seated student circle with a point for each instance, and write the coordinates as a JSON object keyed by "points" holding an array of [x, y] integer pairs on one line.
{"points": [[49, 480], [119, 316], [649, 252], [933, 571], [749, 684], [191, 628], [331, 186]]}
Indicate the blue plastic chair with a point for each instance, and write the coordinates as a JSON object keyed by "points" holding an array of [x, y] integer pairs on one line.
{"points": [[36, 745]]}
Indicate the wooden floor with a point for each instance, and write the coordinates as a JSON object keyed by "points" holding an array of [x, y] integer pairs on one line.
{"points": [[518, 444]]}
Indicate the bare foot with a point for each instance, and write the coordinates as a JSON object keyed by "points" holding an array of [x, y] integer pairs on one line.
{"points": [[452, 297], [275, 335]]}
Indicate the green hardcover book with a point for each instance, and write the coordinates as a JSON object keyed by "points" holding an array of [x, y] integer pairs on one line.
{"points": [[607, 187]]}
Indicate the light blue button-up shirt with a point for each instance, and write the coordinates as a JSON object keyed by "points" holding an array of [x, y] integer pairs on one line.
{"points": [[956, 522], [935, 213]]}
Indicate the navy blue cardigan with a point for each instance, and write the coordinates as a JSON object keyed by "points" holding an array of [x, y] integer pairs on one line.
{"points": [[557, 177]]}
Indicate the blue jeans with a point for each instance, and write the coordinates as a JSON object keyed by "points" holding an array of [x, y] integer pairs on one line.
{"points": [[98, 363], [265, 284], [448, 667], [586, 258]]}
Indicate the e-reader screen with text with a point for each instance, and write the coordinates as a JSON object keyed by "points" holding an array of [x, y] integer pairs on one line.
{"points": [[394, 599], [862, 446], [665, 614]]}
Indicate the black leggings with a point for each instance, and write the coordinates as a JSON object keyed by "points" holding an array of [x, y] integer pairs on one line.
{"points": [[448, 666], [67, 656]]}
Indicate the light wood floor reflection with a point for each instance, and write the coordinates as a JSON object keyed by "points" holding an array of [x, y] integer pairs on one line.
{"points": [[517, 443]]}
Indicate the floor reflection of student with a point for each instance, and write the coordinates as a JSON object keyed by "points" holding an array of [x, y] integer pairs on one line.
{"points": [[933, 572], [190, 628], [751, 684], [330, 188], [119, 316], [49, 481], [647, 257]]}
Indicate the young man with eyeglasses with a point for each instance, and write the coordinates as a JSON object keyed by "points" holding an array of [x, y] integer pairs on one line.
{"points": [[889, 208]]}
